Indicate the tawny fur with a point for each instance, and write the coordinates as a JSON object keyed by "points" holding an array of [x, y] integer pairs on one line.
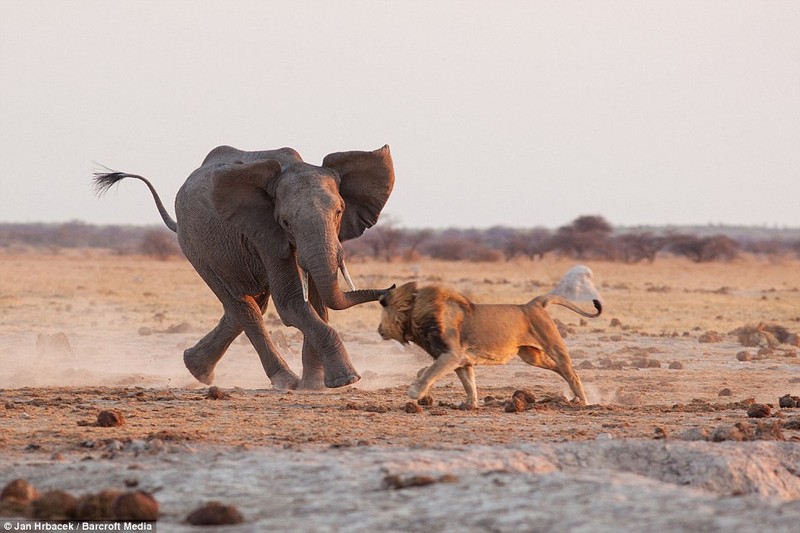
{"points": [[459, 334]]}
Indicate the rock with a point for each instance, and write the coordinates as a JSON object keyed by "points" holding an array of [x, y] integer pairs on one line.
{"points": [[727, 433], [526, 395], [413, 408], [516, 405], [215, 393], [491, 401], [676, 365], [758, 410], [695, 434], [54, 505], [586, 365], [710, 337], [19, 490], [789, 401], [659, 433], [744, 356], [144, 331], [426, 400], [138, 505], [397, 482], [110, 418], [215, 514], [98, 506], [725, 392], [615, 323]]}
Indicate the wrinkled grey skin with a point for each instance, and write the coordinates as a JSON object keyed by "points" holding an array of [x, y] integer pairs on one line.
{"points": [[250, 223]]}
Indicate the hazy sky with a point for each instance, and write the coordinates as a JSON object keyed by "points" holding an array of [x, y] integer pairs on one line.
{"points": [[514, 113]]}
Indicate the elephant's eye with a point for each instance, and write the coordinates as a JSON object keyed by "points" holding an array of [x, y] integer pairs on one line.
{"points": [[338, 213], [285, 223]]}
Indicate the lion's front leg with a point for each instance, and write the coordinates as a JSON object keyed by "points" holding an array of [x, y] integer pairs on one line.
{"points": [[466, 374], [445, 363]]}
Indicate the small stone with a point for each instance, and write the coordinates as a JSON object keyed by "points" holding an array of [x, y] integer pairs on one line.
{"points": [[516, 405], [215, 393], [676, 365], [729, 433], [19, 489], [758, 410], [426, 400], [526, 395], [138, 505], [96, 506], [413, 408], [145, 331], [744, 356], [710, 337], [215, 514], [397, 482], [54, 505], [694, 434], [108, 419], [659, 433], [725, 392], [789, 401]]}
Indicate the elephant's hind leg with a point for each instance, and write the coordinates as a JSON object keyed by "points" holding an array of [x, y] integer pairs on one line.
{"points": [[201, 358], [247, 312]]}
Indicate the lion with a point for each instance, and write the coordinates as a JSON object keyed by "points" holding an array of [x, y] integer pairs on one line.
{"points": [[459, 334]]}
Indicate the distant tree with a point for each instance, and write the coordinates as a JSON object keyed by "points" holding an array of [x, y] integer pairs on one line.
{"points": [[635, 247], [383, 238], [532, 243], [412, 240], [587, 237]]}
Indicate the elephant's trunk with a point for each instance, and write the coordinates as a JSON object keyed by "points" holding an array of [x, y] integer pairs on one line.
{"points": [[326, 279]]}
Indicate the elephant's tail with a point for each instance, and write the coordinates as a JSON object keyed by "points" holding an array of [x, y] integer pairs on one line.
{"points": [[103, 181]]}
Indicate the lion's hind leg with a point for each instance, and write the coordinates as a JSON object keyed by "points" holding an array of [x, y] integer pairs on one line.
{"points": [[559, 364], [466, 374]]}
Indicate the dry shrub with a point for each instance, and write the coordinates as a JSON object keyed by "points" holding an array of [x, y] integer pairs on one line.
{"points": [[703, 249], [160, 244]]}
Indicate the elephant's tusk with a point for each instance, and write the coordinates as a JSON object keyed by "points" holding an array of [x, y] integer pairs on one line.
{"points": [[304, 283], [346, 275]]}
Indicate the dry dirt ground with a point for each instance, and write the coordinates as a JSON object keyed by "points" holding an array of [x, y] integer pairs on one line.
{"points": [[666, 443]]}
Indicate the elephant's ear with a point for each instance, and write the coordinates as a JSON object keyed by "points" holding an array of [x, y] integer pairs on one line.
{"points": [[367, 181], [239, 194]]}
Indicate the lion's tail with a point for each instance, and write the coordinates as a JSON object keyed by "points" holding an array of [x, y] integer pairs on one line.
{"points": [[551, 298]]}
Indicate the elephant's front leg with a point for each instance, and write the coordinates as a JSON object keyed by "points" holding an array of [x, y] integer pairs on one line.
{"points": [[313, 370], [322, 346]]}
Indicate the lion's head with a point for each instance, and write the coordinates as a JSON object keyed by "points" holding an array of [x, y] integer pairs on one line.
{"points": [[396, 313]]}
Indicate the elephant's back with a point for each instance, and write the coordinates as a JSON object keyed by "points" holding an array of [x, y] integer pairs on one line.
{"points": [[228, 155]]}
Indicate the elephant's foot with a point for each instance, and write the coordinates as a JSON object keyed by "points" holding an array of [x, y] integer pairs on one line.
{"points": [[341, 380], [198, 366], [312, 380], [284, 380]]}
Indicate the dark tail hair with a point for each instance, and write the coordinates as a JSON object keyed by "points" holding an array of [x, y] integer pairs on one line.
{"points": [[103, 181]]}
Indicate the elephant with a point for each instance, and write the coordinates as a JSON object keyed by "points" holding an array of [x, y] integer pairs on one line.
{"points": [[261, 224]]}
